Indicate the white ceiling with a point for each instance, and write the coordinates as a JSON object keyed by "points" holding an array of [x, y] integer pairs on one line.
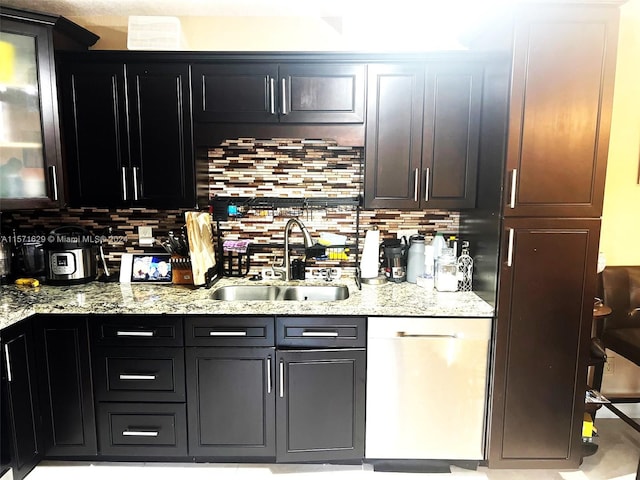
{"points": [[320, 8]]}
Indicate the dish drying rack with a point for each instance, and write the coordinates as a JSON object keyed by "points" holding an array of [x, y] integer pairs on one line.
{"points": [[238, 263]]}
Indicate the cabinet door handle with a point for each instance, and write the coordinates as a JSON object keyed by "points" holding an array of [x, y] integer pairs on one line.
{"points": [[54, 181], [269, 374], [136, 376], [514, 182], [272, 95], [135, 333], [415, 184], [326, 333], [426, 186], [135, 183], [510, 250], [140, 433], [124, 183], [284, 96], [281, 379], [215, 333], [8, 360]]}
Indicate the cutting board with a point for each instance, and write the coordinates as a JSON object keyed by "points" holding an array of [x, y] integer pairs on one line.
{"points": [[201, 249]]}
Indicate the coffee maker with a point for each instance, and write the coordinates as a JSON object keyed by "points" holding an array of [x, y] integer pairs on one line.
{"points": [[394, 259]]}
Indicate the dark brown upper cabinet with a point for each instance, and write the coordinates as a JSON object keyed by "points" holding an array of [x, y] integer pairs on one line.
{"points": [[453, 102], [423, 127], [128, 133], [560, 111], [279, 93], [31, 173]]}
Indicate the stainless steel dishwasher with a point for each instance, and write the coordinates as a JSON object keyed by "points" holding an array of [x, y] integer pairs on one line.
{"points": [[426, 388]]}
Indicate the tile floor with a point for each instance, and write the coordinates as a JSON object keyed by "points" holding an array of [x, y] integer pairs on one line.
{"points": [[616, 459]]}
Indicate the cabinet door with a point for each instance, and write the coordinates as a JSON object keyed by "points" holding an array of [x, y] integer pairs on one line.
{"points": [[547, 285], [320, 405], [328, 93], [235, 93], [393, 148], [65, 386], [30, 160], [231, 402], [162, 157], [453, 101], [20, 387], [560, 110], [96, 138]]}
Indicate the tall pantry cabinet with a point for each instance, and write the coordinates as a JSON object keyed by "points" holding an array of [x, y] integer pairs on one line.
{"points": [[556, 152]]}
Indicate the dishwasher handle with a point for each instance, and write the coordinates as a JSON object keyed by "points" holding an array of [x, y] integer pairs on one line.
{"points": [[425, 335]]}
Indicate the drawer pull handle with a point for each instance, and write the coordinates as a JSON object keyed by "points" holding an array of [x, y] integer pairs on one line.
{"points": [[308, 333], [133, 376], [136, 333], [140, 433], [214, 333]]}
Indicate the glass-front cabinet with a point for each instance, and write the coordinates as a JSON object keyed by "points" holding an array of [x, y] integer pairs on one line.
{"points": [[30, 153], [29, 149]]}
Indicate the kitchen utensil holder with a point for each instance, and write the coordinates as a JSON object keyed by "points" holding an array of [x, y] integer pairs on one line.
{"points": [[236, 264]]}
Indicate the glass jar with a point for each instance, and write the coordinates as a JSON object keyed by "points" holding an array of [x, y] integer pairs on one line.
{"points": [[446, 271]]}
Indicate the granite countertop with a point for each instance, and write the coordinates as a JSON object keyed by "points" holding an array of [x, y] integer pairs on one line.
{"points": [[390, 299]]}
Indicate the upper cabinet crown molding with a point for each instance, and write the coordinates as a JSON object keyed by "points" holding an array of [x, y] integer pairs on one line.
{"points": [[62, 27]]}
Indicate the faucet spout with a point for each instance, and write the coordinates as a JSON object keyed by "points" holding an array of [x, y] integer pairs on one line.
{"points": [[286, 266]]}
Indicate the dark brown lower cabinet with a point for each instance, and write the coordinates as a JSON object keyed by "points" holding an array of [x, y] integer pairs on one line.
{"points": [[66, 392], [231, 402], [546, 289], [20, 399], [320, 405]]}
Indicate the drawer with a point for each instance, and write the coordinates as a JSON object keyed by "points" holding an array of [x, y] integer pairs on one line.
{"points": [[330, 332], [229, 331], [154, 374], [142, 429], [136, 330]]}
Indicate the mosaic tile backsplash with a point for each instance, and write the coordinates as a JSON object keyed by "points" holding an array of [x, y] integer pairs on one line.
{"points": [[249, 167]]}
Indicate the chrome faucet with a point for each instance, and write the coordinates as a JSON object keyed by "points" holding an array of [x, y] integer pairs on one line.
{"points": [[285, 270]]}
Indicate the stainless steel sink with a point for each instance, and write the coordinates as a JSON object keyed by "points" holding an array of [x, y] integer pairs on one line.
{"points": [[246, 292], [317, 293]]}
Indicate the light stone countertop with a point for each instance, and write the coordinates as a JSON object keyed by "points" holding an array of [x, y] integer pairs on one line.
{"points": [[390, 299]]}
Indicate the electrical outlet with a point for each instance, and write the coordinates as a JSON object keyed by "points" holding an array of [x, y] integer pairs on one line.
{"points": [[610, 366], [145, 232]]}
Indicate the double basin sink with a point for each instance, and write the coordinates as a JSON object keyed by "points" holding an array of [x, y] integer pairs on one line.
{"points": [[267, 293]]}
